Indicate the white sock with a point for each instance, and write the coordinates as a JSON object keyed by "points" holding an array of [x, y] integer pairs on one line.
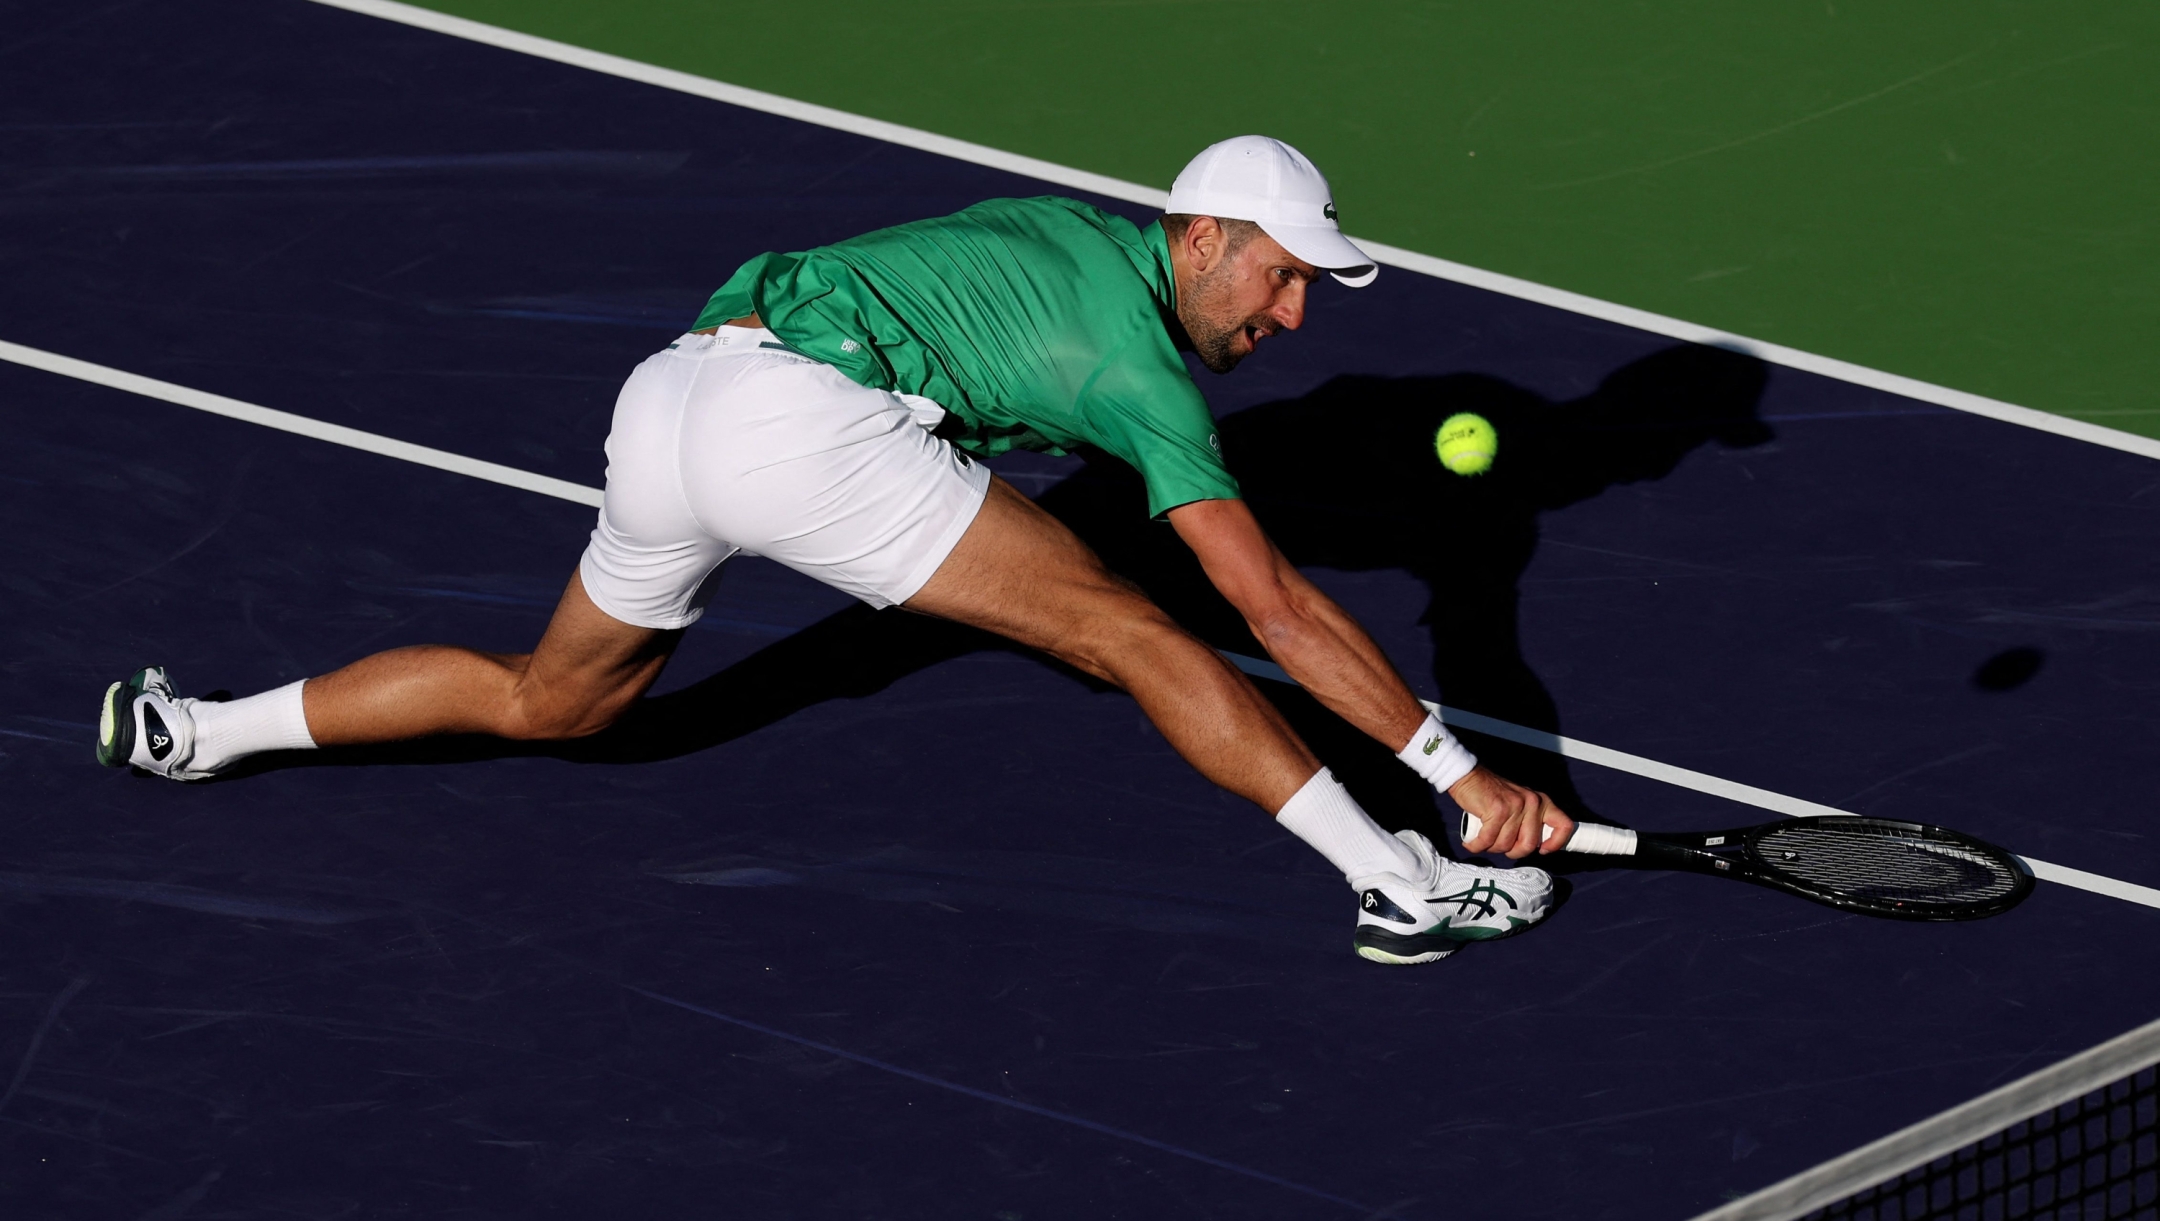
{"points": [[229, 732], [1325, 815]]}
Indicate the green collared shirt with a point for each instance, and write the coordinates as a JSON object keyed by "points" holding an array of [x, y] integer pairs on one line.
{"points": [[1036, 323]]}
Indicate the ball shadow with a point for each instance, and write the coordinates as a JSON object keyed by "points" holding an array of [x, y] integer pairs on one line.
{"points": [[2009, 669]]}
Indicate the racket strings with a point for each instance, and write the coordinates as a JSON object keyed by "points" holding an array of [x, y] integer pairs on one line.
{"points": [[1887, 862]]}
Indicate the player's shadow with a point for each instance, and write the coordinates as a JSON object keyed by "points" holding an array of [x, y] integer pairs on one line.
{"points": [[1346, 478], [1343, 478]]}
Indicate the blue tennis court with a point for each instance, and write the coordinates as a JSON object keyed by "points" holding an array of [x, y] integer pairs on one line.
{"points": [[864, 915]]}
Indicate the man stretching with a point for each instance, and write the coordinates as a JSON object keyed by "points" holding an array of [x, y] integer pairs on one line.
{"points": [[823, 413]]}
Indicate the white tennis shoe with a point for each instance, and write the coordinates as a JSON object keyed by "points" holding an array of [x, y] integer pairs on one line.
{"points": [[1402, 922], [143, 724]]}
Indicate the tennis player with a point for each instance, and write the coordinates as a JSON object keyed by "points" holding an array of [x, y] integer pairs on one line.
{"points": [[829, 410]]}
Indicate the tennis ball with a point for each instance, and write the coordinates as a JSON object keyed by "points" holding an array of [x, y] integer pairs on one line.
{"points": [[1466, 443]]}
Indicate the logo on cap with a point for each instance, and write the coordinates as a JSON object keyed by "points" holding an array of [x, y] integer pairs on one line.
{"points": [[1328, 210]]}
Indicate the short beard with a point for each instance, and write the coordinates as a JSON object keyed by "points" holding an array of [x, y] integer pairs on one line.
{"points": [[1213, 335]]}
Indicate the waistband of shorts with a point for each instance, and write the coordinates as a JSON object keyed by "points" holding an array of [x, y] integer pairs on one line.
{"points": [[732, 340]]}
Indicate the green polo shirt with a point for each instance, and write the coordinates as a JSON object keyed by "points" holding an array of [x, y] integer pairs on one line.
{"points": [[1036, 323]]}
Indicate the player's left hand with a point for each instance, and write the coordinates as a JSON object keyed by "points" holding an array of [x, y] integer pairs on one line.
{"points": [[1517, 821]]}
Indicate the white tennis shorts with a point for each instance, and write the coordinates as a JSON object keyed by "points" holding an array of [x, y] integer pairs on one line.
{"points": [[735, 442]]}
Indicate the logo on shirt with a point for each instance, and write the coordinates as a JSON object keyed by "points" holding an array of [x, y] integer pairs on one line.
{"points": [[1214, 442], [849, 345], [1328, 210]]}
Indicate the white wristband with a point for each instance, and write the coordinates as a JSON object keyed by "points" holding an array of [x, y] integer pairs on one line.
{"points": [[1435, 754]]}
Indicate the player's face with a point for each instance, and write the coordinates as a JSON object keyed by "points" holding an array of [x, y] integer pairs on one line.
{"points": [[1244, 298]]}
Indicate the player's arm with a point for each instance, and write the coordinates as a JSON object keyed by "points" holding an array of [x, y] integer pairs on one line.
{"points": [[1317, 643]]}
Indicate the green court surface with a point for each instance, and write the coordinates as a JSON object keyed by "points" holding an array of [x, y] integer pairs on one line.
{"points": [[1963, 192]]}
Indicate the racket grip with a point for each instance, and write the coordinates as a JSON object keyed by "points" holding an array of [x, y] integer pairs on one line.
{"points": [[1590, 839]]}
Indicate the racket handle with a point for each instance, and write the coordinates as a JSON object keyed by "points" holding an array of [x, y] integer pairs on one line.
{"points": [[1590, 839]]}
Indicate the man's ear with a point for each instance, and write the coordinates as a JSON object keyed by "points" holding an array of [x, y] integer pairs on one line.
{"points": [[1204, 243]]}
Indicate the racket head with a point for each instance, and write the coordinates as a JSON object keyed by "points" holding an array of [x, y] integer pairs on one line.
{"points": [[1884, 867]]}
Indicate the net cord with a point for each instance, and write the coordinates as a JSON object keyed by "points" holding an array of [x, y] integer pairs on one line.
{"points": [[1923, 1142]]}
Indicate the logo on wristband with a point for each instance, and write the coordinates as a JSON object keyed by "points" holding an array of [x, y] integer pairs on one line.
{"points": [[1432, 744]]}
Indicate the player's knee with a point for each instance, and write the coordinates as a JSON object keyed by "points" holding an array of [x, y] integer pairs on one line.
{"points": [[1282, 629], [1123, 630], [551, 717]]}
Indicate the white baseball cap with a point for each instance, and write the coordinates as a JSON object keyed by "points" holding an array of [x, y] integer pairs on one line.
{"points": [[1272, 185]]}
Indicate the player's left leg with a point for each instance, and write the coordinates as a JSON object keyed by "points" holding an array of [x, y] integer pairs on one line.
{"points": [[1021, 573]]}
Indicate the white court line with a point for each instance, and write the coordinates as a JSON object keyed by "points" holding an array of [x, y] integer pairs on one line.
{"points": [[1702, 782], [1795, 1197], [963, 150], [978, 154], [285, 421], [563, 489], [1116, 188]]}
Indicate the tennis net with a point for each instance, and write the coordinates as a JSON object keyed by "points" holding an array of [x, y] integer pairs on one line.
{"points": [[2076, 1141], [2093, 1158]]}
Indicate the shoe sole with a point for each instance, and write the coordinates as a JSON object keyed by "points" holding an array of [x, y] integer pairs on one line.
{"points": [[1516, 925], [1370, 954], [116, 718], [1411, 949], [116, 723], [1400, 949]]}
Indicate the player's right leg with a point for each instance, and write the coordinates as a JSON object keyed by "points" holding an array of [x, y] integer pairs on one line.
{"points": [[644, 577], [587, 669]]}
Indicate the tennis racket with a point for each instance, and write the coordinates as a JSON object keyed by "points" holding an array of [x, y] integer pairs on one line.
{"points": [[1875, 866]]}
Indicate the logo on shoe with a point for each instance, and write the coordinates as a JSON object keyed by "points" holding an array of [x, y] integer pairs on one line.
{"points": [[1480, 896], [160, 737], [1380, 905]]}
